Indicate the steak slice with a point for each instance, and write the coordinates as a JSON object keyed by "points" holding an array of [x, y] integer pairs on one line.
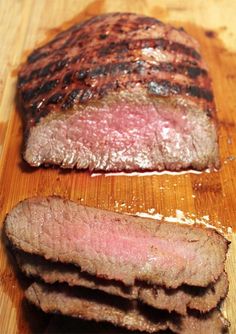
{"points": [[178, 300], [119, 92], [117, 246], [102, 307]]}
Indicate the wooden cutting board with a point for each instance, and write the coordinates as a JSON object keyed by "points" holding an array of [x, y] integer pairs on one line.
{"points": [[206, 197]]}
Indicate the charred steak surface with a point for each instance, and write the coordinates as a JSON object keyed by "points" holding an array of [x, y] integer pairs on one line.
{"points": [[119, 92]]}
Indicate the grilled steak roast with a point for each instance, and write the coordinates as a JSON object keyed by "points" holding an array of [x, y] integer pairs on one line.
{"points": [[101, 307], [116, 246], [178, 300], [119, 92]]}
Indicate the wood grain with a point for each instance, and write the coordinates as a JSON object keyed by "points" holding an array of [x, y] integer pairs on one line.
{"points": [[25, 24]]}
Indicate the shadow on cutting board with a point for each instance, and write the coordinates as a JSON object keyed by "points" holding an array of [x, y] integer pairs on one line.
{"points": [[66, 325]]}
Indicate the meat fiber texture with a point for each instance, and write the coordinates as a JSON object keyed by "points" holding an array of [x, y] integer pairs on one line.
{"points": [[119, 92], [119, 267], [115, 246], [102, 307], [179, 300]]}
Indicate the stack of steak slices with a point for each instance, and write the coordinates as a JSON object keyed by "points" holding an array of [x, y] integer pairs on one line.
{"points": [[133, 272]]}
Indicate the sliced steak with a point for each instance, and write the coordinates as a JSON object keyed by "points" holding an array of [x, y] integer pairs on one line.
{"points": [[119, 92], [102, 307], [117, 246], [178, 300]]}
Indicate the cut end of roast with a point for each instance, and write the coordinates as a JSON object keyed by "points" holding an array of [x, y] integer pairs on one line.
{"points": [[126, 132]]}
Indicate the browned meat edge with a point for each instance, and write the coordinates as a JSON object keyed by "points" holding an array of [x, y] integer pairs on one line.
{"points": [[102, 307], [178, 300]]}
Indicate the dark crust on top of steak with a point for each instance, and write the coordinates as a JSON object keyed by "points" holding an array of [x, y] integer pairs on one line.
{"points": [[108, 53]]}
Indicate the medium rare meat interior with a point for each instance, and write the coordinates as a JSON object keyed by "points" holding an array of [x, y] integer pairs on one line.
{"points": [[134, 272], [119, 92]]}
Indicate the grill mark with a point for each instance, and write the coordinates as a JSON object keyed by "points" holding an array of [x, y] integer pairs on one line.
{"points": [[194, 72], [141, 22], [156, 87], [47, 86], [29, 94], [67, 79], [23, 79], [132, 24], [110, 69], [160, 43], [138, 67], [123, 47], [136, 23], [71, 41], [130, 21], [55, 40], [103, 36], [165, 88], [162, 88], [43, 112], [191, 71], [70, 99], [86, 95], [76, 58], [55, 98], [35, 56], [200, 93], [53, 67], [81, 74], [49, 69]]}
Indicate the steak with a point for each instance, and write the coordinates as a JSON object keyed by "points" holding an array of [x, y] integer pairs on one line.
{"points": [[178, 300], [119, 92], [117, 246], [102, 307]]}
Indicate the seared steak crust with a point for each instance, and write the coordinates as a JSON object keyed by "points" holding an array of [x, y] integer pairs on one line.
{"points": [[77, 65], [119, 92]]}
